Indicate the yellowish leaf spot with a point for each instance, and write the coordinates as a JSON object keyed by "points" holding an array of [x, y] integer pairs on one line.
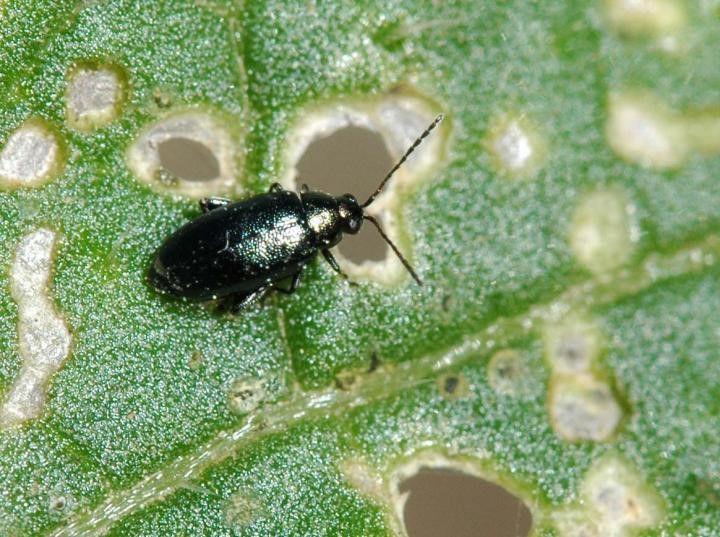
{"points": [[453, 386], [246, 395], [643, 130], [583, 408], [615, 501], [658, 19], [571, 345], [574, 522], [242, 509], [29, 157], [616, 493], [603, 231], [44, 338], [703, 130], [93, 97], [506, 372], [364, 478], [516, 146]]}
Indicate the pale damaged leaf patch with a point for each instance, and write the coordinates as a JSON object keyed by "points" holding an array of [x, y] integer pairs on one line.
{"points": [[659, 20], [583, 408], [603, 232], [30, 156], [572, 344], [516, 145], [508, 373], [582, 405], [615, 501], [44, 338], [93, 97], [643, 129]]}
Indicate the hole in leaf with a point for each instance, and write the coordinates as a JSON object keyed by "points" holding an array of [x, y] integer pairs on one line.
{"points": [[188, 159], [188, 153], [350, 160], [449, 502]]}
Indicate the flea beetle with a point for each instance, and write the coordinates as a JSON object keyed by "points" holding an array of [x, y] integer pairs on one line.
{"points": [[238, 251]]}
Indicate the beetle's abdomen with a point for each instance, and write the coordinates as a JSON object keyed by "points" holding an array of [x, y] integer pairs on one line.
{"points": [[236, 248]]}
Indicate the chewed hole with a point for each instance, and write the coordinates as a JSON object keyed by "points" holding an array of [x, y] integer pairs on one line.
{"points": [[188, 159], [449, 502], [323, 152], [350, 160], [188, 153]]}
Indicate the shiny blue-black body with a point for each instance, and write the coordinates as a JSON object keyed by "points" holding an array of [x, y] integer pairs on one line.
{"points": [[238, 251]]}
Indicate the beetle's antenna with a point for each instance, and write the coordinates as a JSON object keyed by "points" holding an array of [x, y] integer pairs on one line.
{"points": [[403, 159], [397, 252]]}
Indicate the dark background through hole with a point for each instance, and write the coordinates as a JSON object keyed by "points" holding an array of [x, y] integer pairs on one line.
{"points": [[188, 159], [351, 160], [445, 502]]}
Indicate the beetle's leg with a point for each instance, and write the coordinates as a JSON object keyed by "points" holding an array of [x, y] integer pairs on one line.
{"points": [[293, 283], [235, 303], [208, 204], [242, 301], [276, 187], [327, 254], [304, 188]]}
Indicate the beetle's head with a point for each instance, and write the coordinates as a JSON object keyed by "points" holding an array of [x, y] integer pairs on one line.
{"points": [[351, 214]]}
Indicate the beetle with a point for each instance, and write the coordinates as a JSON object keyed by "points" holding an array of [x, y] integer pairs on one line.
{"points": [[237, 251]]}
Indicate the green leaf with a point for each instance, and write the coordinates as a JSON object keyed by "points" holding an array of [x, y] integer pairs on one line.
{"points": [[565, 226]]}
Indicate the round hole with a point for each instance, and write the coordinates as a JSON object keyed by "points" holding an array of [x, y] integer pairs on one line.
{"points": [[188, 159], [449, 502], [351, 160]]}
